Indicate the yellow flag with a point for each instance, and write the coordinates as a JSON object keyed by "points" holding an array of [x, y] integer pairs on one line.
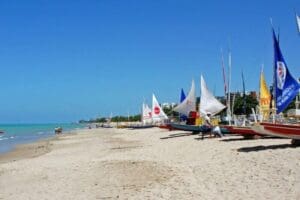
{"points": [[265, 97]]}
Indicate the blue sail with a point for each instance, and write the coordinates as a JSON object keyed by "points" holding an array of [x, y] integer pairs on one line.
{"points": [[286, 87], [182, 98]]}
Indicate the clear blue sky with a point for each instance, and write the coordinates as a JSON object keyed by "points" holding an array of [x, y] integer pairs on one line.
{"points": [[70, 60]]}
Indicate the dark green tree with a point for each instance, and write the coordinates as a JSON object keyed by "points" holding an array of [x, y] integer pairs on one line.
{"points": [[239, 109]]}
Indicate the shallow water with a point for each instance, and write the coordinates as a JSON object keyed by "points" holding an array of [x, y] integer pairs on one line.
{"points": [[24, 133]]}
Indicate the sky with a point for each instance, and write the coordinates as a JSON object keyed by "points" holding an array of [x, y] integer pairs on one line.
{"points": [[64, 60]]}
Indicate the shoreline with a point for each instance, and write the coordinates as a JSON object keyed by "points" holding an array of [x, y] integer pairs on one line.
{"points": [[152, 164], [34, 148], [10, 143]]}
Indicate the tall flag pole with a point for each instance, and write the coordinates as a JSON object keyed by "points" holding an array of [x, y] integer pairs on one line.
{"points": [[285, 86]]}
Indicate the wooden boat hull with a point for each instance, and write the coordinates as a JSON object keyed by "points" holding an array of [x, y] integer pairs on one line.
{"points": [[245, 131], [279, 130]]}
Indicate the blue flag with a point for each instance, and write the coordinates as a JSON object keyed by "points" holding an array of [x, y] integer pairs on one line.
{"points": [[182, 98], [286, 87]]}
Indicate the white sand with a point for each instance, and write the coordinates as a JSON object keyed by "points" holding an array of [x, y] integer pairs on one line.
{"points": [[138, 164]]}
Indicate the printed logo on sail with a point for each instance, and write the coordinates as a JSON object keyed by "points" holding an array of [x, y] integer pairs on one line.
{"points": [[156, 110], [281, 74]]}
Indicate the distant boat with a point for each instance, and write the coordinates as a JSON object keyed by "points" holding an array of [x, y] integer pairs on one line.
{"points": [[151, 117], [140, 126], [146, 115], [158, 115]]}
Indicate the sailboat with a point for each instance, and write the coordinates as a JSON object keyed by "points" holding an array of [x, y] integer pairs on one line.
{"points": [[158, 115], [264, 104], [189, 103], [208, 104], [146, 114], [285, 88], [182, 117]]}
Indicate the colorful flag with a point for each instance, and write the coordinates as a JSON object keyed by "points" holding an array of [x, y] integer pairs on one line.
{"points": [[182, 98], [286, 87], [264, 97]]}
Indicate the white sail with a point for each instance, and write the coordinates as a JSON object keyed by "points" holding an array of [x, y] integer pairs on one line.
{"points": [[208, 103], [146, 114], [158, 115], [298, 22], [189, 103]]}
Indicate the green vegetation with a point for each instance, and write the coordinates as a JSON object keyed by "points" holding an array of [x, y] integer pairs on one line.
{"points": [[113, 119], [239, 109]]}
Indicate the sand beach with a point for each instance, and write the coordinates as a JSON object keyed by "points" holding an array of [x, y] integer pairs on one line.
{"points": [[150, 164]]}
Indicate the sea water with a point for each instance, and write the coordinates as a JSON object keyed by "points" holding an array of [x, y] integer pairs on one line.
{"points": [[25, 133]]}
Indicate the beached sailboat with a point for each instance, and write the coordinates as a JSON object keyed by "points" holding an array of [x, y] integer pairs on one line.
{"points": [[208, 104], [189, 103], [285, 88], [146, 118], [158, 115], [182, 117], [264, 106], [146, 114]]}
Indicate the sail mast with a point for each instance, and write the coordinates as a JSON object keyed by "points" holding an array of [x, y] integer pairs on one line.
{"points": [[223, 71], [229, 80]]}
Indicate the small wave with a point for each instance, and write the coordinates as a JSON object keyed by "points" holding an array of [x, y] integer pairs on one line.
{"points": [[40, 133], [5, 138]]}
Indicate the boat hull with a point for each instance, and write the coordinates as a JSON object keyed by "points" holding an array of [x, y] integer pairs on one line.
{"points": [[279, 130], [140, 126], [192, 128], [245, 131]]}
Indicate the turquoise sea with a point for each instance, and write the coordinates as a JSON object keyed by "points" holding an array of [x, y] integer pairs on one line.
{"points": [[25, 133]]}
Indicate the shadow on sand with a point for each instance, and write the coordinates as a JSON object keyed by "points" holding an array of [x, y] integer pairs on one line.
{"points": [[206, 136], [176, 135], [262, 148]]}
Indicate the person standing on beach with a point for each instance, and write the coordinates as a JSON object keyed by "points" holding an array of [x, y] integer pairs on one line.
{"points": [[207, 120]]}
